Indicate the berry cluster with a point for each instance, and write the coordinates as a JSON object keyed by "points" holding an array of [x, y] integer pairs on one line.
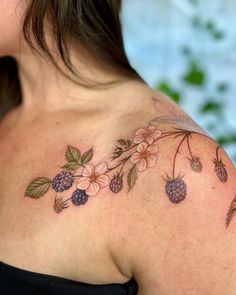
{"points": [[79, 197], [62, 181], [176, 190], [116, 183]]}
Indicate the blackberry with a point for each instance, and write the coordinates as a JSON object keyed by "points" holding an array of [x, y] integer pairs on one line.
{"points": [[79, 197], [176, 190], [196, 164], [116, 183], [220, 170], [62, 181]]}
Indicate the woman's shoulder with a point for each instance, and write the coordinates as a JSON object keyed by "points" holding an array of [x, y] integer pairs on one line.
{"points": [[182, 195]]}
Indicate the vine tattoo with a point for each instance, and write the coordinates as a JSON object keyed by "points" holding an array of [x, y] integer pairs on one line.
{"points": [[129, 158]]}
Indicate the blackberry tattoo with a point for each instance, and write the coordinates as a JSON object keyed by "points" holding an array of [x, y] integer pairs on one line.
{"points": [[176, 190], [195, 163], [129, 158], [79, 197], [116, 183], [62, 181], [220, 168]]}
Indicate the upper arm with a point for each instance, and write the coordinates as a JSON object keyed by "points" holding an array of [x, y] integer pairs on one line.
{"points": [[182, 229]]}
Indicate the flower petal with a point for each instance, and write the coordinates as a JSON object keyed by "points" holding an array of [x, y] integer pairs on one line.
{"points": [[140, 131], [153, 149], [138, 139], [142, 147], [88, 170], [141, 165], [101, 168], [151, 161], [135, 157], [149, 140], [92, 189], [83, 183], [102, 180], [156, 134], [151, 128]]}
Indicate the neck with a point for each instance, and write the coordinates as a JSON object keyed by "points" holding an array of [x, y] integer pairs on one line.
{"points": [[46, 89]]}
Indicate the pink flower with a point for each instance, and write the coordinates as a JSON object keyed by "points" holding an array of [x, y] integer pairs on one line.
{"points": [[146, 156], [93, 178], [147, 135]]}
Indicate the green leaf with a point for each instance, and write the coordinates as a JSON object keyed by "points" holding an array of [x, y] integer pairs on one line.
{"points": [[212, 106], [87, 156], [72, 166], [129, 143], [72, 154], [132, 177], [126, 143], [166, 88], [195, 75], [122, 142], [38, 187]]}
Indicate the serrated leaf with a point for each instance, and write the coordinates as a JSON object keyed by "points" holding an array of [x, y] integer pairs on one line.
{"points": [[122, 142], [129, 143], [87, 156], [72, 154], [72, 166], [132, 177], [38, 187]]}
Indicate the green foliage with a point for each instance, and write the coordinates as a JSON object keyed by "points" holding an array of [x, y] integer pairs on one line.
{"points": [[212, 106], [227, 139], [165, 87], [209, 27], [195, 75]]}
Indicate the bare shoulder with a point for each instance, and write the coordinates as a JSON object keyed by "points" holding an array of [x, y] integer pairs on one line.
{"points": [[177, 220]]}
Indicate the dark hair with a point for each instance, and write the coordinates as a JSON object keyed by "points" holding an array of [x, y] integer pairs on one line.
{"points": [[95, 24]]}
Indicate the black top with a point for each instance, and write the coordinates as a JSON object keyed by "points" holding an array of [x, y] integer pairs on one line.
{"points": [[15, 281]]}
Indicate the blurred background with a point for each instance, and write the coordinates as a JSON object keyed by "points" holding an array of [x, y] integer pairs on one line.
{"points": [[187, 49]]}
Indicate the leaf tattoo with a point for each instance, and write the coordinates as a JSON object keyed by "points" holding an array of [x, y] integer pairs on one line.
{"points": [[130, 157], [132, 177], [87, 156], [231, 212], [72, 154], [38, 187]]}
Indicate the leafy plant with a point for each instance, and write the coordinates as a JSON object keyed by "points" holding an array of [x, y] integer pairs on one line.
{"points": [[196, 75]]}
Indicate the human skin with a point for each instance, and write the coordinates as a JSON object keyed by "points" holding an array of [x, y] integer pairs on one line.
{"points": [[185, 247]]}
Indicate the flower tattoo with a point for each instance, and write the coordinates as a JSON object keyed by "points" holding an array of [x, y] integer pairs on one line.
{"points": [[130, 157], [93, 179]]}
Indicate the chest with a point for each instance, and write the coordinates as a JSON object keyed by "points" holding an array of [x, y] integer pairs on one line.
{"points": [[33, 236]]}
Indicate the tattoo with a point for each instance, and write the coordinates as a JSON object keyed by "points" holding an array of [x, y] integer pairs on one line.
{"points": [[220, 169], [231, 212], [174, 115], [130, 157]]}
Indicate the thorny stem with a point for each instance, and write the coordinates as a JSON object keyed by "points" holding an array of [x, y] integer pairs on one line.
{"points": [[66, 200], [174, 162], [201, 134], [166, 134], [122, 164], [189, 147]]}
